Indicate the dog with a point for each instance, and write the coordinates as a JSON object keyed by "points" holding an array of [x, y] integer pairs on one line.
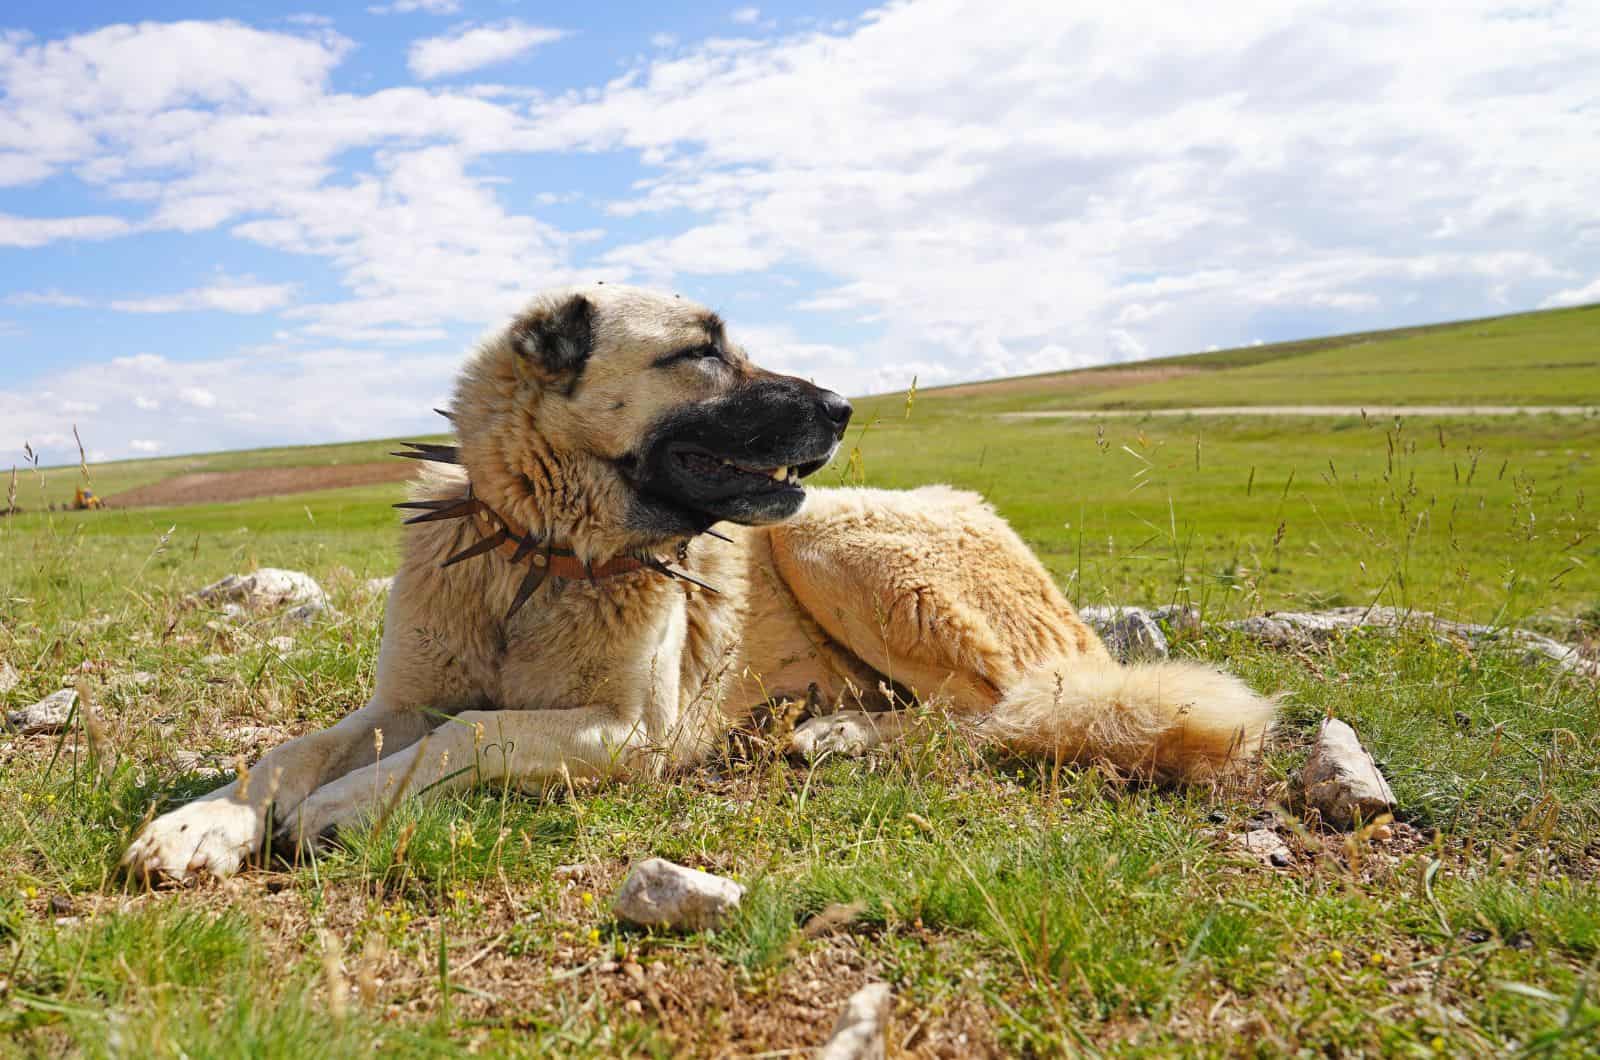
{"points": [[619, 561]]}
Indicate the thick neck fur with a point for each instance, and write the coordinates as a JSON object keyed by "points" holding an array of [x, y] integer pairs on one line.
{"points": [[575, 498]]}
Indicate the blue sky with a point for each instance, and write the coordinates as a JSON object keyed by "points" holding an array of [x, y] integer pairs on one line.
{"points": [[237, 225]]}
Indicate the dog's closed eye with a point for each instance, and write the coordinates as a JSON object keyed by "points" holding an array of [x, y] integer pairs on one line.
{"points": [[704, 352]]}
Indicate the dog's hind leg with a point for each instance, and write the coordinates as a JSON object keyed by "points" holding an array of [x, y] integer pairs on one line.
{"points": [[933, 589], [929, 587]]}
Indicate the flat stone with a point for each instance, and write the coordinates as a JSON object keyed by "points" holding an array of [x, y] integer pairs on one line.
{"points": [[305, 614], [266, 588], [1131, 633], [1265, 846], [9, 678], [1341, 780], [50, 714], [861, 1031], [660, 893]]}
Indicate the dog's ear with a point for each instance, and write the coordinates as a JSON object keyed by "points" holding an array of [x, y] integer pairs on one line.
{"points": [[557, 340]]}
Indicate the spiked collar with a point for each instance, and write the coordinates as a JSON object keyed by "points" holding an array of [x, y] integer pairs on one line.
{"points": [[520, 546]]}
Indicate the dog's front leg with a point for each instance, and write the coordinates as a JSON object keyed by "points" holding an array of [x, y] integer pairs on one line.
{"points": [[219, 832], [482, 746]]}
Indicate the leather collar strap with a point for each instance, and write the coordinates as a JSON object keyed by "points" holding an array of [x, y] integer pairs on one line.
{"points": [[557, 562]]}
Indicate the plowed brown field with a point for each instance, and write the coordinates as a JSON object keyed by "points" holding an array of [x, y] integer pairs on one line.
{"points": [[211, 487]]}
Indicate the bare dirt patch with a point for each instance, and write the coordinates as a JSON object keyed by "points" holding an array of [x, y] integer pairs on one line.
{"points": [[213, 487]]}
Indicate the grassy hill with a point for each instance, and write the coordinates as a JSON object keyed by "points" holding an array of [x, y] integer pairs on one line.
{"points": [[1545, 358], [1015, 909]]}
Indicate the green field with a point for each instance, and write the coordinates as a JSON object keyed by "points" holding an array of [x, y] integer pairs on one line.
{"points": [[1015, 910]]}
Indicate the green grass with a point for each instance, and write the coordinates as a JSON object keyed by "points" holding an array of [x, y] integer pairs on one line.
{"points": [[1016, 910]]}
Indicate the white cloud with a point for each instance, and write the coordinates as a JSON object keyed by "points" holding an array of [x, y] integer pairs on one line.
{"points": [[227, 296], [313, 395], [990, 194], [37, 231], [146, 404], [474, 47], [230, 297], [144, 445], [52, 298], [1574, 296], [1125, 345], [406, 7], [746, 16]]}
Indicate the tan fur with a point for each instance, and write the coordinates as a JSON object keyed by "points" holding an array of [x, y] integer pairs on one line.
{"points": [[928, 589]]}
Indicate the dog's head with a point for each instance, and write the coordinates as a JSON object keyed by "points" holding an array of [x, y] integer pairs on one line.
{"points": [[629, 418]]}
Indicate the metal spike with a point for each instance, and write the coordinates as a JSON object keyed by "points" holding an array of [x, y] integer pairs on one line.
{"points": [[530, 584], [681, 576], [488, 544], [447, 415], [525, 547], [459, 510], [438, 454], [720, 537], [428, 505]]}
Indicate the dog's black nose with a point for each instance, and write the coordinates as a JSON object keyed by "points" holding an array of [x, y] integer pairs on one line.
{"points": [[837, 409]]}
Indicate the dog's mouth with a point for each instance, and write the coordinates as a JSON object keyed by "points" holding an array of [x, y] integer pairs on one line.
{"points": [[741, 458], [719, 471], [709, 486]]}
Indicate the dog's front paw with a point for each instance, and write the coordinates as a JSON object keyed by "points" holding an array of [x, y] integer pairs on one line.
{"points": [[317, 820], [847, 733], [210, 837]]}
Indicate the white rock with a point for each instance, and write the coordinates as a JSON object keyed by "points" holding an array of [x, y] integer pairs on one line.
{"points": [[305, 614], [197, 762], [1305, 628], [266, 588], [1179, 616], [9, 678], [659, 893], [1266, 846], [50, 714], [1341, 779], [862, 1028], [1129, 632]]}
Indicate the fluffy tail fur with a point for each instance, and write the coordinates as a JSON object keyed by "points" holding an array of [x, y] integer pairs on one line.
{"points": [[1172, 720]]}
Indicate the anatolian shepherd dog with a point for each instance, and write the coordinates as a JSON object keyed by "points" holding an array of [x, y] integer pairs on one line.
{"points": [[618, 563]]}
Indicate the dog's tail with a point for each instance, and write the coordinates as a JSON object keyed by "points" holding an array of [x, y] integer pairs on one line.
{"points": [[1168, 720]]}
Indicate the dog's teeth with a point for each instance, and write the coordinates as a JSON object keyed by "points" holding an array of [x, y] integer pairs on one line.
{"points": [[780, 474]]}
